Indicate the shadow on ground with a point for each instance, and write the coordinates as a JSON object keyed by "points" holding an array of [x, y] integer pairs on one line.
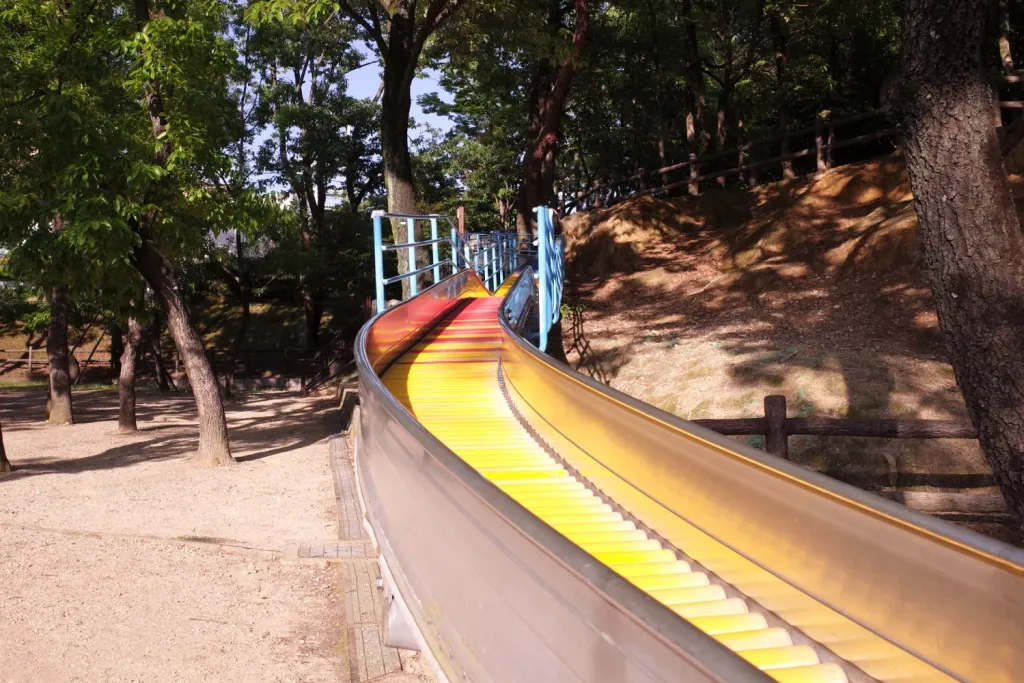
{"points": [[270, 424]]}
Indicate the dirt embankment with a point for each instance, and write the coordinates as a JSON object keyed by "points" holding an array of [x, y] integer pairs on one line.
{"points": [[813, 288]]}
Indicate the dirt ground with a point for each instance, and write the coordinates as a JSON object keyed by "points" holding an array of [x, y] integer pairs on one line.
{"points": [[813, 288], [122, 561]]}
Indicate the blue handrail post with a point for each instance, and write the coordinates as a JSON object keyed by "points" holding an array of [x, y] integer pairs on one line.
{"points": [[544, 303], [487, 264], [476, 253], [455, 251], [435, 250], [410, 224], [378, 257]]}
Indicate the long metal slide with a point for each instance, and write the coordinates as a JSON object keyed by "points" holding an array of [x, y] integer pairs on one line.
{"points": [[539, 526]]}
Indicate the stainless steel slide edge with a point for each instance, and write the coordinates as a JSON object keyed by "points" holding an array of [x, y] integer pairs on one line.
{"points": [[951, 597], [498, 594]]}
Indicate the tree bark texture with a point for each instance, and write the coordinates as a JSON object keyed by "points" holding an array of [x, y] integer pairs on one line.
{"points": [[313, 313], [213, 429], [396, 100], [244, 301], [973, 244], [126, 379], [156, 331], [695, 95], [116, 347], [781, 44], [550, 93], [5, 464], [1005, 55], [61, 411], [154, 267]]}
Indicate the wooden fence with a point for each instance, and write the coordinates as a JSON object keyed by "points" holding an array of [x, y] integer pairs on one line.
{"points": [[745, 162], [777, 427]]}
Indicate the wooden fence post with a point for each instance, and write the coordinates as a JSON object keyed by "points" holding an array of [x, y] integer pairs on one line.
{"points": [[828, 148], [752, 160], [776, 440], [30, 361], [819, 146], [694, 186], [640, 184]]}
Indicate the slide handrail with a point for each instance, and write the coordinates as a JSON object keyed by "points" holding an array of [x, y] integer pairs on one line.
{"points": [[499, 249]]}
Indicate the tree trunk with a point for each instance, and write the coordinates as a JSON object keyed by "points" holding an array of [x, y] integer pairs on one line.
{"points": [[400, 68], [1005, 56], [57, 351], [213, 430], [154, 267], [782, 88], [5, 464], [243, 331], [159, 369], [973, 244], [696, 97], [313, 310], [550, 94], [116, 347], [126, 379]]}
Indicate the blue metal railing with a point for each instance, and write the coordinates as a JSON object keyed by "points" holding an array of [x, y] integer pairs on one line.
{"points": [[494, 256], [550, 273]]}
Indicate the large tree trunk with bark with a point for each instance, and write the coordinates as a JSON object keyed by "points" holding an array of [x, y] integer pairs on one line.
{"points": [[396, 101], [5, 464], [550, 94], [313, 313], [116, 347], [126, 380], [781, 44], [154, 267], [60, 409], [695, 95], [213, 429], [244, 302], [1005, 54], [973, 244]]}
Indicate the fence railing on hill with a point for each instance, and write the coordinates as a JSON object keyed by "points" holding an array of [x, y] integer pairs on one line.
{"points": [[746, 161], [776, 428]]}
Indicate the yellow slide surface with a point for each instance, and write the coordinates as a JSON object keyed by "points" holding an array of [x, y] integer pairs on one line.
{"points": [[449, 381]]}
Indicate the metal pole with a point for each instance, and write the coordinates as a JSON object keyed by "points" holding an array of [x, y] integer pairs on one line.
{"points": [[544, 302], [455, 251], [476, 254], [410, 224], [487, 266], [435, 250], [494, 261], [378, 258]]}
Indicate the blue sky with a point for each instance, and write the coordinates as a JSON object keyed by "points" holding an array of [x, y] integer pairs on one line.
{"points": [[364, 83]]}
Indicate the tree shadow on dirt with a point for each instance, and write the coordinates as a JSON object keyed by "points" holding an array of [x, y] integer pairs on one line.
{"points": [[260, 426], [828, 279]]}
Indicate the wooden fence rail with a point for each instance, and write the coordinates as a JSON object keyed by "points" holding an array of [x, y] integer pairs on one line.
{"points": [[776, 427]]}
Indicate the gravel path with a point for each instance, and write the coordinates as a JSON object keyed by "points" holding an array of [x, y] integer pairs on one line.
{"points": [[122, 561]]}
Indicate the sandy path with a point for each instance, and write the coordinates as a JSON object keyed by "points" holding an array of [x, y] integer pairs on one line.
{"points": [[126, 601]]}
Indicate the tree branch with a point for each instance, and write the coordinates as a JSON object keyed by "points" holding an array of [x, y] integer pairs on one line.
{"points": [[372, 30], [438, 12]]}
